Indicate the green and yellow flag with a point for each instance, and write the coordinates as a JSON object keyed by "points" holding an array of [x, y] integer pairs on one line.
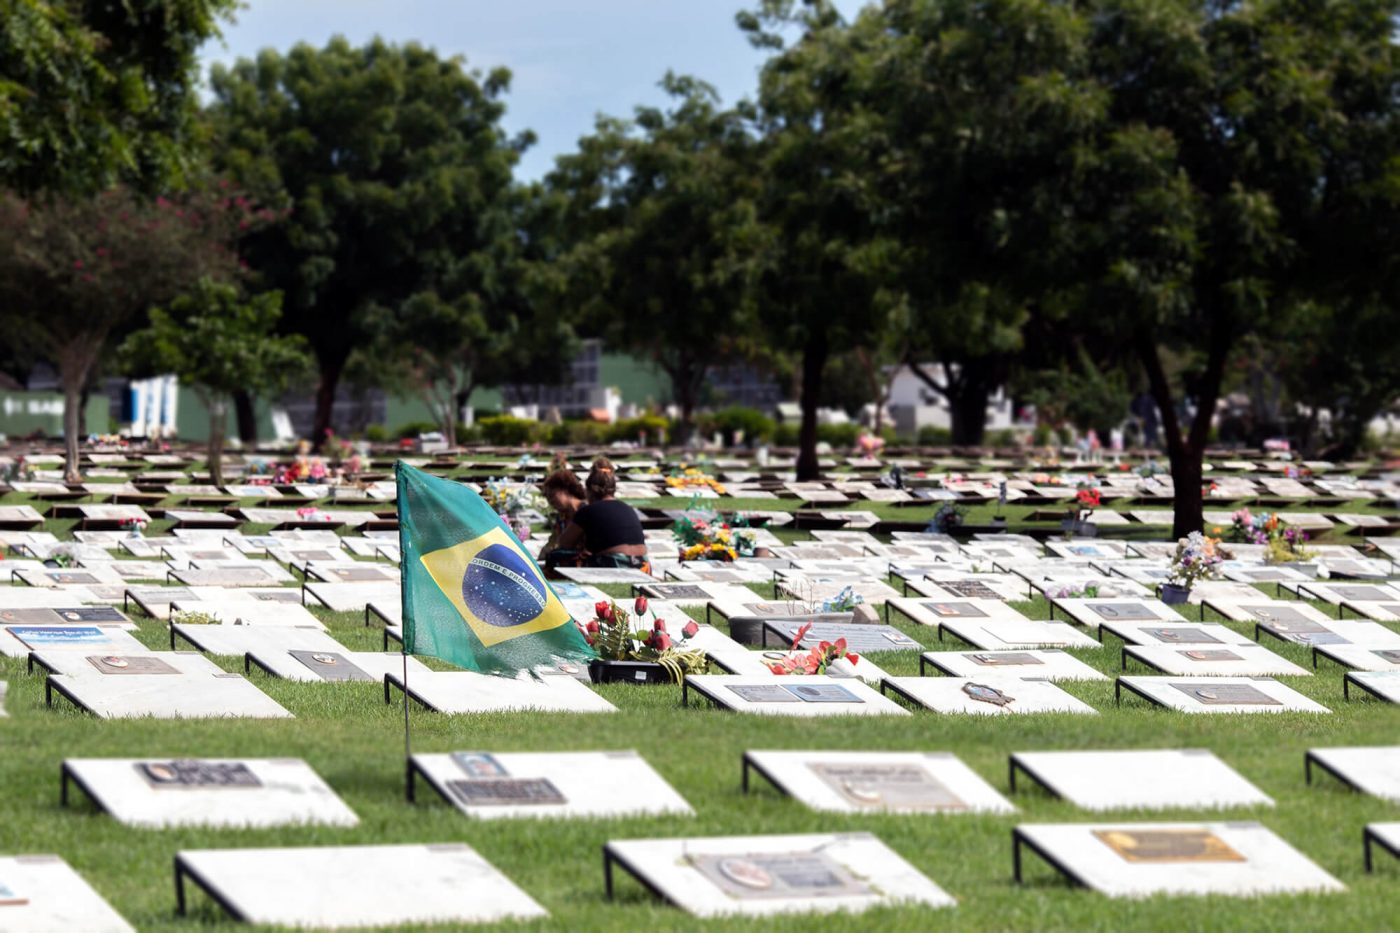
{"points": [[472, 595]]}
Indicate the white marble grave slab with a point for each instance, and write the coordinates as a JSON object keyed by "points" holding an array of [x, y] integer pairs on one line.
{"points": [[1220, 661], [602, 575], [1362, 657], [238, 640], [573, 785], [341, 887], [1222, 694], [1384, 685], [353, 572], [336, 665], [352, 597], [803, 696], [1373, 770], [879, 782], [1182, 633], [246, 612], [1038, 663], [227, 793], [168, 696], [935, 612], [987, 695], [1095, 612], [17, 641], [263, 573], [1121, 859], [697, 874], [467, 692], [54, 897], [1150, 779]]}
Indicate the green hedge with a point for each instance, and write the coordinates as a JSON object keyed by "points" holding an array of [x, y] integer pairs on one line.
{"points": [[728, 422]]}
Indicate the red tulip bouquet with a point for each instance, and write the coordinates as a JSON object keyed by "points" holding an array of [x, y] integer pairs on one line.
{"points": [[612, 635]]}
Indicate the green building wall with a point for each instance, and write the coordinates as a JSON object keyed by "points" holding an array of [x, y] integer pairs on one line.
{"points": [[24, 413]]}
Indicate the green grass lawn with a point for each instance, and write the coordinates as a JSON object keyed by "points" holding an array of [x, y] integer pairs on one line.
{"points": [[355, 742]]}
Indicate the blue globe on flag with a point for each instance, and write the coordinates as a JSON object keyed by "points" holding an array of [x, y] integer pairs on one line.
{"points": [[502, 589]]}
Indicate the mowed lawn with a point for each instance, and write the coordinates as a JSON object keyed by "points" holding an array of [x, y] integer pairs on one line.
{"points": [[348, 734]]}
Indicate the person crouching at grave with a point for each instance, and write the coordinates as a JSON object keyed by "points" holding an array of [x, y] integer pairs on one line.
{"points": [[607, 530], [566, 496]]}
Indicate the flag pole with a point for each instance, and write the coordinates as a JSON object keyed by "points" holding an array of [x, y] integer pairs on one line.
{"points": [[403, 644]]}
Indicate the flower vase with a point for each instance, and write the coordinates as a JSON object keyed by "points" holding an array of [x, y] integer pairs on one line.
{"points": [[841, 667], [135, 533], [1174, 594], [604, 671]]}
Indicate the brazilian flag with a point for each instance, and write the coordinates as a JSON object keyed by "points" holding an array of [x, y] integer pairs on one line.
{"points": [[472, 595]]}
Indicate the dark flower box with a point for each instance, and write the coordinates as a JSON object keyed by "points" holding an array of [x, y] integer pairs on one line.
{"points": [[602, 671]]}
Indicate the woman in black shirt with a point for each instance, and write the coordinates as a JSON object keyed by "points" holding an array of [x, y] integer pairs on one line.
{"points": [[607, 530]]}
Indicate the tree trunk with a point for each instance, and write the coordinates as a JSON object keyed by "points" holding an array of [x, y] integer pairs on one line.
{"points": [[218, 419], [967, 407], [813, 366], [1187, 453], [968, 401], [83, 396], [325, 400], [72, 400], [247, 417]]}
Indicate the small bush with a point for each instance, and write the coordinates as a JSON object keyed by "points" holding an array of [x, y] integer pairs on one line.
{"points": [[837, 435], [376, 434], [1006, 437], [630, 429], [415, 428], [755, 425], [578, 433], [934, 436], [508, 431]]}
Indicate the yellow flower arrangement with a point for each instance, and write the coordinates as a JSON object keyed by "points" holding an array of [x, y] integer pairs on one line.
{"points": [[691, 478], [712, 551]]}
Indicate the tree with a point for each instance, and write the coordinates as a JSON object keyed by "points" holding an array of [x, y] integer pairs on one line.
{"points": [[663, 256], [820, 256], [96, 93], [1234, 132], [976, 115], [393, 167], [218, 343], [75, 270]]}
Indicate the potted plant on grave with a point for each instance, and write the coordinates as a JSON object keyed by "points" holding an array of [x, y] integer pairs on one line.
{"points": [[1197, 557], [515, 504], [641, 655], [828, 657], [1284, 545], [703, 535], [1077, 521], [689, 477], [845, 601], [947, 518], [999, 520], [134, 526]]}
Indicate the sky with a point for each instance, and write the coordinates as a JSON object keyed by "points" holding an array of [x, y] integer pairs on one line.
{"points": [[570, 59]]}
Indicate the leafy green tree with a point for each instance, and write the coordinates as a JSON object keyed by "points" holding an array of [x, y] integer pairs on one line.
{"points": [[75, 271], [218, 342], [1233, 134], [669, 225], [494, 316], [820, 256], [92, 93], [395, 172], [976, 115]]}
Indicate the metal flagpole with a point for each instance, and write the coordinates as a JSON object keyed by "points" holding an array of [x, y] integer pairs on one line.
{"points": [[404, 621], [407, 742]]}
